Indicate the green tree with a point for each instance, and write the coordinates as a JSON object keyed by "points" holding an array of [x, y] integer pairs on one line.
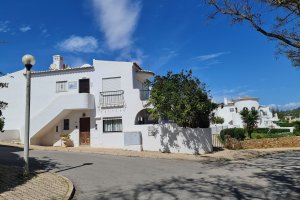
{"points": [[278, 20], [217, 120], [181, 98], [250, 119]]}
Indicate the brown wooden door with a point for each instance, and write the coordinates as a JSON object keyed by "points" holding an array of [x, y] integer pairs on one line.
{"points": [[84, 86], [84, 127]]}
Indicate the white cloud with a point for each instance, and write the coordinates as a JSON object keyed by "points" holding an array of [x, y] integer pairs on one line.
{"points": [[4, 26], [232, 93], [135, 55], [210, 56], [117, 20], [25, 29], [75, 61], [288, 106], [74, 43]]}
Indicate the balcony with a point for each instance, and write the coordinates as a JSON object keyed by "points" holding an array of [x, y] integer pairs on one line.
{"points": [[144, 95], [112, 99]]}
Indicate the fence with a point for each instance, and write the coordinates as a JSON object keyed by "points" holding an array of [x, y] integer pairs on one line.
{"points": [[216, 129], [216, 142]]}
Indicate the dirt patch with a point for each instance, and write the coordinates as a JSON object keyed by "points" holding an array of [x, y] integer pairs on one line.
{"points": [[291, 141]]}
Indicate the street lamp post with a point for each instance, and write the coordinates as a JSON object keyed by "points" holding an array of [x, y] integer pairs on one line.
{"points": [[28, 61]]}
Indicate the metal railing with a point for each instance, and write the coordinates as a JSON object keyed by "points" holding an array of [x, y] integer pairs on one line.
{"points": [[110, 99], [144, 95]]}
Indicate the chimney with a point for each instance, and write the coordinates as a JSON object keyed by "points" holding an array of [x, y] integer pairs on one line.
{"points": [[225, 101], [58, 63]]}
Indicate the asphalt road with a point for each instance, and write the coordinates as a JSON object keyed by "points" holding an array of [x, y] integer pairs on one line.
{"points": [[98, 176]]}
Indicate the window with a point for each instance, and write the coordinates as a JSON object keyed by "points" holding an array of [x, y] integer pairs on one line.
{"points": [[253, 108], [84, 86], [245, 108], [111, 84], [61, 86], [231, 109], [66, 124], [112, 125]]}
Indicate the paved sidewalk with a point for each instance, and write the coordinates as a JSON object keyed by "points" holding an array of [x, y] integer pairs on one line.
{"points": [[218, 155], [41, 185]]}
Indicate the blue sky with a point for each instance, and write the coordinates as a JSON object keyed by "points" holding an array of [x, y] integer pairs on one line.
{"points": [[161, 35]]}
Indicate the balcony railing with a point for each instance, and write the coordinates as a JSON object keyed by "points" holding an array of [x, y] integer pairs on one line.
{"points": [[144, 94], [111, 99]]}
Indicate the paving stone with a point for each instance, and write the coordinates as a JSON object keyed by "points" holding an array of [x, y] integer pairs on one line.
{"points": [[42, 186]]}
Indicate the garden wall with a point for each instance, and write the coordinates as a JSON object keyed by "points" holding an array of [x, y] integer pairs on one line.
{"points": [[290, 141], [10, 135], [174, 139]]}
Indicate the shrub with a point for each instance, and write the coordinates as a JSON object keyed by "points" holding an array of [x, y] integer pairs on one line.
{"points": [[272, 135], [237, 133], [273, 130], [217, 120], [297, 127], [285, 124]]}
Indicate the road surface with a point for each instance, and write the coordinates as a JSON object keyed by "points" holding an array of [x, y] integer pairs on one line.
{"points": [[97, 176]]}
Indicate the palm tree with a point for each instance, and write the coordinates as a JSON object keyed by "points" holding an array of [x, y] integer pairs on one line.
{"points": [[250, 119]]}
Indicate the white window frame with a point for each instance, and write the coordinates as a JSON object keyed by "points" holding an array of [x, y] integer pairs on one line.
{"points": [[61, 86], [115, 128]]}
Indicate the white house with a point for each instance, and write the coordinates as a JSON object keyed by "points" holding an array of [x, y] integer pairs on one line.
{"points": [[100, 105], [230, 111]]}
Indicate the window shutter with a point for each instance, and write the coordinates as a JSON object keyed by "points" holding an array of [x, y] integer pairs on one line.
{"points": [[111, 84]]}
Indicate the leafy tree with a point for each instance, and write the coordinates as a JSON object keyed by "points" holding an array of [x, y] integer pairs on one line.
{"points": [[2, 106], [182, 99], [250, 119], [217, 120], [278, 20]]}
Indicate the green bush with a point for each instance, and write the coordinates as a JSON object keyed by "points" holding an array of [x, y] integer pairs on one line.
{"points": [[297, 127], [237, 133], [273, 130], [272, 135], [285, 124]]}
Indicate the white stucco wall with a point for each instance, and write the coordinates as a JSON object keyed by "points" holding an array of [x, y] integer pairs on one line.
{"points": [[10, 135], [174, 139]]}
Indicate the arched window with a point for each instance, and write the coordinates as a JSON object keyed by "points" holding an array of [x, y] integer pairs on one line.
{"points": [[253, 108], [143, 117], [245, 108]]}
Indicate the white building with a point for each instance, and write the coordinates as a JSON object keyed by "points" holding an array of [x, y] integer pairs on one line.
{"points": [[230, 111], [100, 105]]}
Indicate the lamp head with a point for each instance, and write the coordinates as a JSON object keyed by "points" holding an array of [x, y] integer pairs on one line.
{"points": [[28, 60]]}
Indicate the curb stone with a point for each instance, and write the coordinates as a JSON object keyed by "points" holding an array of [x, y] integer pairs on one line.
{"points": [[71, 188]]}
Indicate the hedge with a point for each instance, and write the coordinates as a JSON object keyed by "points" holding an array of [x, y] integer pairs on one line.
{"points": [[285, 124], [237, 133], [273, 130]]}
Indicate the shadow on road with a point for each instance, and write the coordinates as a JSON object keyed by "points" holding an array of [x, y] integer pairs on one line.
{"points": [[11, 167], [273, 177]]}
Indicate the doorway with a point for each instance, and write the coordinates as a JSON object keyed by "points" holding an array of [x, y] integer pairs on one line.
{"points": [[84, 131]]}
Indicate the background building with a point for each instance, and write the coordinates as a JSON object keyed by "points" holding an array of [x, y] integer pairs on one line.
{"points": [[230, 111]]}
